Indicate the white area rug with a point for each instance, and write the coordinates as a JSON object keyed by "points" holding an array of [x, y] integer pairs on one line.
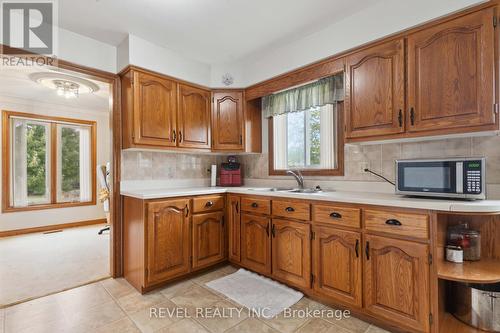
{"points": [[37, 264], [267, 298]]}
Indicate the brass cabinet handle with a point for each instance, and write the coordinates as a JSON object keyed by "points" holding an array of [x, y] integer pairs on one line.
{"points": [[412, 116], [187, 210], [400, 118], [174, 136], [267, 229], [367, 250], [273, 231], [254, 205], [180, 136], [356, 248], [209, 204], [290, 209], [237, 207]]}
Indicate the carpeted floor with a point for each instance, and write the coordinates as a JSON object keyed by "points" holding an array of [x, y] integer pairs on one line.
{"points": [[38, 264]]}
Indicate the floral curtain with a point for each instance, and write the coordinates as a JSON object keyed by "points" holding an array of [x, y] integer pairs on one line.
{"points": [[325, 91]]}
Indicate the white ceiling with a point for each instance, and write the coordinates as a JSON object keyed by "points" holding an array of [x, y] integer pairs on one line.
{"points": [[210, 31], [15, 82]]}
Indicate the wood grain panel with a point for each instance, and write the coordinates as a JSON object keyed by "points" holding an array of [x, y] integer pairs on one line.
{"points": [[208, 203], [208, 244], [374, 87], [168, 240], [456, 90], [291, 252], [412, 225], [292, 209], [228, 121], [193, 117], [396, 281], [256, 205], [155, 110], [337, 215], [337, 264], [256, 243], [234, 227]]}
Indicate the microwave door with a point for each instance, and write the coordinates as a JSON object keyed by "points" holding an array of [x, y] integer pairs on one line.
{"points": [[459, 171], [427, 177]]}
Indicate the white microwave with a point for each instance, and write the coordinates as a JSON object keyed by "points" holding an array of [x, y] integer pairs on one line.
{"points": [[462, 178]]}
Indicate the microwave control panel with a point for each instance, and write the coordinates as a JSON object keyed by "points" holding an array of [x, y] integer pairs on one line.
{"points": [[472, 177]]}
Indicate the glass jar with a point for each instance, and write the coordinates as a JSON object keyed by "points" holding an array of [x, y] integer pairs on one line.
{"points": [[469, 240]]}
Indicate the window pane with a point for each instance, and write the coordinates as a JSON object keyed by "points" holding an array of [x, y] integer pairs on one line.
{"points": [[295, 137], [314, 137], [37, 176], [73, 164]]}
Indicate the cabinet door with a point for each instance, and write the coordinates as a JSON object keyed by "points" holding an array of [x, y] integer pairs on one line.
{"points": [[155, 109], [396, 281], [228, 123], [451, 74], [208, 239], [193, 121], [256, 243], [374, 100], [234, 227], [167, 240], [291, 252], [337, 264]]}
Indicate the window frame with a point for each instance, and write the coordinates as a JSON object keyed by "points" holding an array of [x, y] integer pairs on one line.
{"points": [[338, 171], [7, 154]]}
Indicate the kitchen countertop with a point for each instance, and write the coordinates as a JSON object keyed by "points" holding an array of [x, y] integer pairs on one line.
{"points": [[368, 198]]}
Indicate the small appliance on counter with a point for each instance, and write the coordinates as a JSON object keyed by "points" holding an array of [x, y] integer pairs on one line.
{"points": [[458, 178], [231, 173]]}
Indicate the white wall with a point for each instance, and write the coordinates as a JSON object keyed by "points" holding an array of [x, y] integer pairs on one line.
{"points": [[21, 220], [148, 55], [382, 19]]}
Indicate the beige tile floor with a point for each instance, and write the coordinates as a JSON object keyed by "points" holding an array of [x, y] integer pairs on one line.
{"points": [[114, 306], [39, 264]]}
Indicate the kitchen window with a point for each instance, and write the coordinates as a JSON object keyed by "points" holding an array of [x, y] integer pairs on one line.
{"points": [[50, 162], [304, 128]]}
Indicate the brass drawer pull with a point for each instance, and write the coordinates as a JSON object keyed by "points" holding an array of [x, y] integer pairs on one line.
{"points": [[290, 209], [336, 215], [393, 222], [209, 204]]}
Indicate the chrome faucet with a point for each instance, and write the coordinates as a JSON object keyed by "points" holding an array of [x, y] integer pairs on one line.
{"points": [[298, 177]]}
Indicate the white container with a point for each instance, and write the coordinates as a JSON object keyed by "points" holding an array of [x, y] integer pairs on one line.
{"points": [[213, 175]]}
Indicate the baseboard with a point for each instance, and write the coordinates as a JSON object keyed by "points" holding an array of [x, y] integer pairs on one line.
{"points": [[51, 227]]}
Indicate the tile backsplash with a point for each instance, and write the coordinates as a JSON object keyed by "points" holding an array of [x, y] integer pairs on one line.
{"points": [[146, 165]]}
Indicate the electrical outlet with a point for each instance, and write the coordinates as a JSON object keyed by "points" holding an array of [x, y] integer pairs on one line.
{"points": [[363, 166]]}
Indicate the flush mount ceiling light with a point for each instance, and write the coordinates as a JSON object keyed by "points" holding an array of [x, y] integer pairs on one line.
{"points": [[65, 85]]}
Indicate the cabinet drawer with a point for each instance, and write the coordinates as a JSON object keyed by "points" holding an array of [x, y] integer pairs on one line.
{"points": [[208, 203], [291, 209], [256, 205], [342, 216], [403, 224]]}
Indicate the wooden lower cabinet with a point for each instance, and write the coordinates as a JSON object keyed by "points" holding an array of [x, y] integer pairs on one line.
{"points": [[396, 281], [291, 252], [168, 240], [337, 265], [256, 243], [234, 228], [208, 239]]}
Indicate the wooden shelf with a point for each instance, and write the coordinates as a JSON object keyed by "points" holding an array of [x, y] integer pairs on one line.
{"points": [[450, 324], [483, 271]]}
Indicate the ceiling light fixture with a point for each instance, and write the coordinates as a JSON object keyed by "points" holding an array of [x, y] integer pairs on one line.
{"points": [[65, 85]]}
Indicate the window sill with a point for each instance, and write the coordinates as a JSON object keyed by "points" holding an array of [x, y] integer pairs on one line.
{"points": [[310, 172], [10, 209]]}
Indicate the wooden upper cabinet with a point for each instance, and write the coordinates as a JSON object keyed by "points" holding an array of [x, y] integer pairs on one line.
{"points": [[374, 88], [451, 74], [208, 239], [168, 240], [154, 110], [337, 264], [234, 227], [396, 281], [291, 252], [193, 117], [256, 243], [228, 121]]}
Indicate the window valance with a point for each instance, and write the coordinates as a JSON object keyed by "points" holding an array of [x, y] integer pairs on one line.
{"points": [[329, 90]]}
